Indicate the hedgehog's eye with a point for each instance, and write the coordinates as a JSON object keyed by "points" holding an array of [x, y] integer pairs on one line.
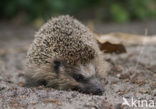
{"points": [[79, 77], [57, 64]]}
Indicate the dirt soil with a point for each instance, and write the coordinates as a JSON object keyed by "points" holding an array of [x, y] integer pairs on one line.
{"points": [[133, 76]]}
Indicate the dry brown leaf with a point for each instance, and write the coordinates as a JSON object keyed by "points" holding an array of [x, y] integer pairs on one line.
{"points": [[126, 39], [108, 47]]}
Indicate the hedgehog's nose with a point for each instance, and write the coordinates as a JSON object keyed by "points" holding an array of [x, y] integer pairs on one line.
{"points": [[98, 90]]}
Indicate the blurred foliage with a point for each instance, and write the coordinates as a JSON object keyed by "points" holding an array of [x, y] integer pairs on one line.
{"points": [[108, 10]]}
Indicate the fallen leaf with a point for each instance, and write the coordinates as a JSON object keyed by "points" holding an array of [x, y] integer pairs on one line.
{"points": [[126, 39], [108, 47]]}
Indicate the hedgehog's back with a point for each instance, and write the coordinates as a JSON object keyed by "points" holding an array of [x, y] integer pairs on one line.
{"points": [[65, 38]]}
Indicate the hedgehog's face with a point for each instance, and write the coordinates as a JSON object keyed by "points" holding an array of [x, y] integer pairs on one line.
{"points": [[78, 77]]}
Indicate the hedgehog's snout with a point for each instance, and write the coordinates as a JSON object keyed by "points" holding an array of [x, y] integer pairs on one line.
{"points": [[98, 90], [92, 86], [88, 85]]}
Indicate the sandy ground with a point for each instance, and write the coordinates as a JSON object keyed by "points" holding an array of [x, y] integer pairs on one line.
{"points": [[132, 76]]}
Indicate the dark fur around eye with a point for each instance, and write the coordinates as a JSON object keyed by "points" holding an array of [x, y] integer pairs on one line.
{"points": [[78, 77], [57, 64]]}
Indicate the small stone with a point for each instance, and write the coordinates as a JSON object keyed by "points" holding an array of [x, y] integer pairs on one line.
{"points": [[154, 92]]}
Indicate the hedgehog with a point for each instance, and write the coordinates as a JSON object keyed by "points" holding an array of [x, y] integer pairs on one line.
{"points": [[65, 56]]}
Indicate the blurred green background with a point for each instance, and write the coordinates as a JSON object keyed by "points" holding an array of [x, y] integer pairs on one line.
{"points": [[101, 10]]}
